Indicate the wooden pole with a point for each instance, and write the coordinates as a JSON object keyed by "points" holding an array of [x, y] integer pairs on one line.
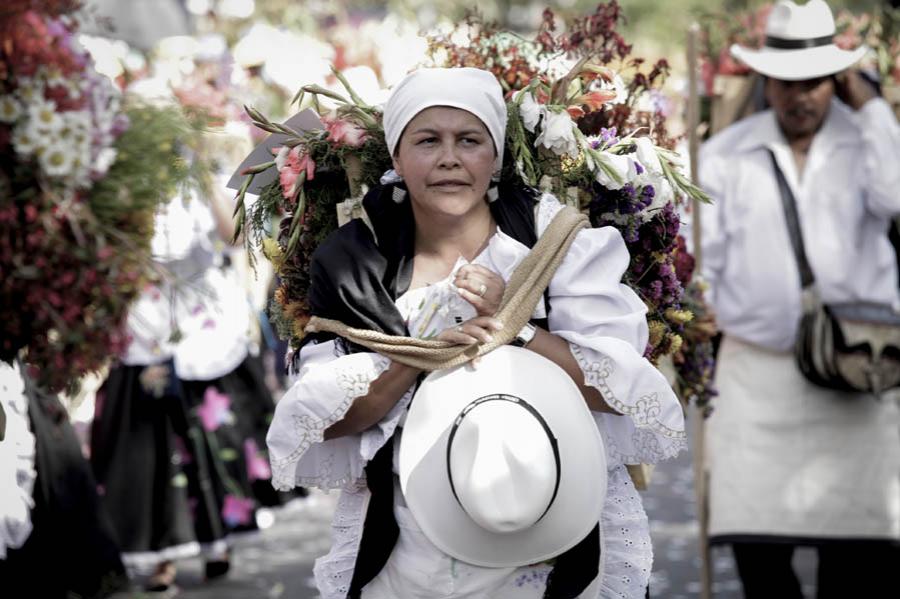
{"points": [[696, 415]]}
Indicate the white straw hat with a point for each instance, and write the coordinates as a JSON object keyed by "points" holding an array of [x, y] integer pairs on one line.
{"points": [[502, 465], [799, 44]]}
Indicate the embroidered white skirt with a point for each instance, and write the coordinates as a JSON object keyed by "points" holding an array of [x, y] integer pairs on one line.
{"points": [[792, 459]]}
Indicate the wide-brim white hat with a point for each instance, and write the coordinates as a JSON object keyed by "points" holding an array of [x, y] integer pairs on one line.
{"points": [[799, 44], [434, 445]]}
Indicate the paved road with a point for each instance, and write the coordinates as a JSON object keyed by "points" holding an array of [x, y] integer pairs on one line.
{"points": [[277, 562]]}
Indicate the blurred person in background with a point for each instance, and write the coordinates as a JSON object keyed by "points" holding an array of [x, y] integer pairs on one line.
{"points": [[55, 540], [792, 463], [178, 438]]}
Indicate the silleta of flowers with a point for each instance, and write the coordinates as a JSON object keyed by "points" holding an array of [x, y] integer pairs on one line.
{"points": [[576, 128], [82, 170]]}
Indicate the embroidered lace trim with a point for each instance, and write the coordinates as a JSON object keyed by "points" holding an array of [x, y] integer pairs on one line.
{"points": [[652, 440], [310, 430]]}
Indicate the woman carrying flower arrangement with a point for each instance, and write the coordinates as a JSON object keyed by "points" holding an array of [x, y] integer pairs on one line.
{"points": [[432, 259], [177, 442]]}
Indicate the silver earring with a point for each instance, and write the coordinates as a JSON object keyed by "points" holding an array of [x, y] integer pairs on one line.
{"points": [[493, 194], [399, 194]]}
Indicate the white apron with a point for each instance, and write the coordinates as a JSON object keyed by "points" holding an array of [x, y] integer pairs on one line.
{"points": [[791, 459]]}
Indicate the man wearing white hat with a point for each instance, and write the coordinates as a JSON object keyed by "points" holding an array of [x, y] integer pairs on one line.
{"points": [[792, 463]]}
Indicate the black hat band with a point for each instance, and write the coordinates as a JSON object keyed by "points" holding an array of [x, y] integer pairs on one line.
{"points": [[780, 43]]}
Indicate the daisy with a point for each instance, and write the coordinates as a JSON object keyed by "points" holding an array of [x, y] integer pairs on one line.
{"points": [[56, 160], [44, 117], [10, 110], [25, 140]]}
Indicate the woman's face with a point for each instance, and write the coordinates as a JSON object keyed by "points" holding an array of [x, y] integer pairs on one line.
{"points": [[446, 156]]}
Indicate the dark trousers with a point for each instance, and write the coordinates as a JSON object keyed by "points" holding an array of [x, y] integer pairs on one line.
{"points": [[846, 569]]}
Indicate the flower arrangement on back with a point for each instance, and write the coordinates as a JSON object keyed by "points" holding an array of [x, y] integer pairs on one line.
{"points": [[83, 170], [575, 128]]}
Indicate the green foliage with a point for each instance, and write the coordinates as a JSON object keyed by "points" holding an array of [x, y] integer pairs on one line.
{"points": [[150, 165]]}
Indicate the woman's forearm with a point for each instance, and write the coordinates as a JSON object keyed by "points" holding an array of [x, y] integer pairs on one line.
{"points": [[368, 409], [556, 349], [222, 208]]}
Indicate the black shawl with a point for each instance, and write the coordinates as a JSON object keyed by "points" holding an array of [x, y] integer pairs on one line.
{"points": [[356, 278]]}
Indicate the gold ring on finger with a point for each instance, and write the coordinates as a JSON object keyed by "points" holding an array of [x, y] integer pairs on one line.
{"points": [[482, 289]]}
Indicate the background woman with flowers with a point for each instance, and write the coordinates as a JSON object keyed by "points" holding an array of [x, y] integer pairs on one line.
{"points": [[178, 437]]}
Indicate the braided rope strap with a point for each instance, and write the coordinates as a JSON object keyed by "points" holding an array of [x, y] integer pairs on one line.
{"points": [[523, 292]]}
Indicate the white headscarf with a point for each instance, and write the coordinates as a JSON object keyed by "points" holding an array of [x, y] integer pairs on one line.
{"points": [[474, 90]]}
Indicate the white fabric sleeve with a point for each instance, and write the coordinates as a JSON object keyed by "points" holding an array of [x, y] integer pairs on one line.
{"points": [[712, 218], [17, 454], [881, 148], [605, 323], [325, 388]]}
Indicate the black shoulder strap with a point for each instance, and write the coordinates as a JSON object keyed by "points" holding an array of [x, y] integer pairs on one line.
{"points": [[793, 223]]}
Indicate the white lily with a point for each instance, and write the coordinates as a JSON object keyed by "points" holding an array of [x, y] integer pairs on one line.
{"points": [[614, 170], [647, 155], [557, 134], [530, 110]]}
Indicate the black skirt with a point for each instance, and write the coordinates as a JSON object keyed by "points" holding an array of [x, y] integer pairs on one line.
{"points": [[181, 464]]}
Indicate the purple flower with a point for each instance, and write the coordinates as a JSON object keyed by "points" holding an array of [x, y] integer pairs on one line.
{"points": [[181, 455], [638, 167], [237, 510], [609, 135]]}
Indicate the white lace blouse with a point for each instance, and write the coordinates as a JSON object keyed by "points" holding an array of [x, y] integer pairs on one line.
{"points": [[604, 322]]}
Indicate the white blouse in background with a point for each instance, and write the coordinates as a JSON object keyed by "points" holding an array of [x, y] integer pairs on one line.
{"points": [[849, 191], [197, 298], [604, 322], [17, 455]]}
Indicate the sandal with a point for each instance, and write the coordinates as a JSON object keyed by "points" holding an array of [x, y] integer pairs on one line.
{"points": [[162, 579], [217, 568]]}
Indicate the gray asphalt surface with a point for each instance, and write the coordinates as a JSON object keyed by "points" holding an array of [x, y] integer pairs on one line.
{"points": [[277, 562]]}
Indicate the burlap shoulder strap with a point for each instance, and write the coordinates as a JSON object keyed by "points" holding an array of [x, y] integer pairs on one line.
{"points": [[523, 292]]}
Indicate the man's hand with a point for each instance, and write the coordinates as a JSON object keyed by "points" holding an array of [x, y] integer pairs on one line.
{"points": [[853, 89]]}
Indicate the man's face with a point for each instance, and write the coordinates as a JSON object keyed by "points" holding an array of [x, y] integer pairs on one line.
{"points": [[800, 106]]}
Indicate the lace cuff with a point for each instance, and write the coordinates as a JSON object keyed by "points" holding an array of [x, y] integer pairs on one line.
{"points": [[651, 425], [325, 389]]}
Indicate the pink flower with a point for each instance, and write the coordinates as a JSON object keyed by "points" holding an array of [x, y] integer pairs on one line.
{"points": [[345, 133], [257, 466], [237, 510], [288, 179], [214, 411], [290, 165]]}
